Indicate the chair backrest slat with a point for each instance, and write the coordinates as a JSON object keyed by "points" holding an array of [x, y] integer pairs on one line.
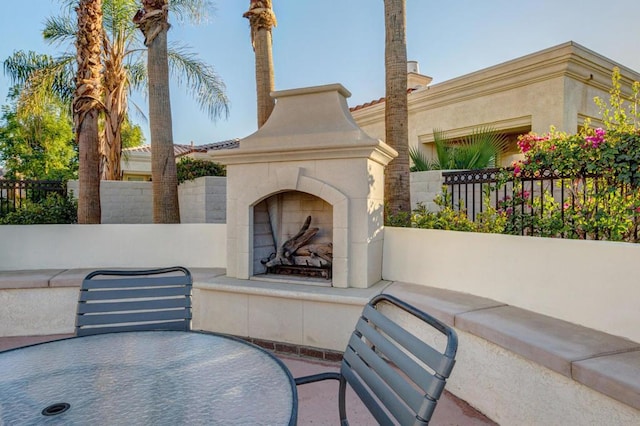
{"points": [[126, 300], [171, 326], [369, 401], [131, 317], [136, 293], [92, 308], [397, 395], [393, 371], [413, 344], [137, 282]]}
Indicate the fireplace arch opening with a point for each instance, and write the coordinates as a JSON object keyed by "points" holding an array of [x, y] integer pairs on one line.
{"points": [[293, 237]]}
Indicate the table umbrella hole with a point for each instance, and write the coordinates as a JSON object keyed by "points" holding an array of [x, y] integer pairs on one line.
{"points": [[55, 409]]}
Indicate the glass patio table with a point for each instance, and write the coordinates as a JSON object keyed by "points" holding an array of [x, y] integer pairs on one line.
{"points": [[145, 378]]}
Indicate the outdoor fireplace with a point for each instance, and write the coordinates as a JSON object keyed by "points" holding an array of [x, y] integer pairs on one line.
{"points": [[305, 193]]}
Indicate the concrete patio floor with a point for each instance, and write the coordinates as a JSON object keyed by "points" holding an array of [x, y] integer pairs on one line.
{"points": [[318, 402]]}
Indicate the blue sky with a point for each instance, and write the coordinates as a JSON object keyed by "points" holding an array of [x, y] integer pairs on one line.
{"points": [[342, 41]]}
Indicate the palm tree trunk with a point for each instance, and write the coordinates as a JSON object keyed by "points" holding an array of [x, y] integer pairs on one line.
{"points": [[396, 184], [115, 101], [86, 106], [153, 22], [262, 19]]}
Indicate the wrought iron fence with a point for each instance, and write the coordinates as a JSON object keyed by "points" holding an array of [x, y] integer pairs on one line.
{"points": [[15, 193], [528, 199]]}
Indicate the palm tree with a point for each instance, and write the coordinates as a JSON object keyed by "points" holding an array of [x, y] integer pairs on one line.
{"points": [[123, 70], [86, 106], [396, 183], [478, 150], [262, 19], [153, 22]]}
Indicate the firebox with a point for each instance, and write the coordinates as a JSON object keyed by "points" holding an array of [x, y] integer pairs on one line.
{"points": [[305, 193], [293, 236]]}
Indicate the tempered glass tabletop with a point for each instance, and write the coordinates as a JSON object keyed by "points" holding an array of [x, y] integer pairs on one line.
{"points": [[145, 378]]}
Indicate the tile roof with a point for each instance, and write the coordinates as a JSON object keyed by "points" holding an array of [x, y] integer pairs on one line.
{"points": [[377, 101], [180, 150]]}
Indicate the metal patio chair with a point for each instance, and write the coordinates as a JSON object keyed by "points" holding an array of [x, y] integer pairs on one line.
{"points": [[134, 300], [398, 376]]}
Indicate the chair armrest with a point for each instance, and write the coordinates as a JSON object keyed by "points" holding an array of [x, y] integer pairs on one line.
{"points": [[317, 377]]}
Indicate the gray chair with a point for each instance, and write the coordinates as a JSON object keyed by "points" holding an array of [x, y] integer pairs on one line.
{"points": [[134, 300], [398, 376]]}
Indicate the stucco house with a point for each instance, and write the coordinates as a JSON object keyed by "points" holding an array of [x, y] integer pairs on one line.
{"points": [[555, 86], [552, 87]]}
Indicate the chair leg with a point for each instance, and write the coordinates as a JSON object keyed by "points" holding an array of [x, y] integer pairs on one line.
{"points": [[342, 404]]}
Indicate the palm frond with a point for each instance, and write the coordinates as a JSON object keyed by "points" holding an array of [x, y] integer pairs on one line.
{"points": [[201, 80], [194, 11], [480, 149], [59, 29], [420, 161], [54, 82], [42, 78], [117, 18], [443, 150], [137, 75]]}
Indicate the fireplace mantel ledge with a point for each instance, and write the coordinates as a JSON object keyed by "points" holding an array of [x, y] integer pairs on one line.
{"points": [[348, 296]]}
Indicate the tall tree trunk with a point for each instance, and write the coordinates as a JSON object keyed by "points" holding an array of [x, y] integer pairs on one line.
{"points": [[153, 22], [262, 20], [396, 184], [86, 107], [115, 101]]}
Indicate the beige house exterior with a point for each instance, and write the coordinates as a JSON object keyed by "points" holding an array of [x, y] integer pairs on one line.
{"points": [[552, 87]]}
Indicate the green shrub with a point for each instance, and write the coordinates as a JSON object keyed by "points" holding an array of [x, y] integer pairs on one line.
{"points": [[449, 219], [191, 168], [54, 209]]}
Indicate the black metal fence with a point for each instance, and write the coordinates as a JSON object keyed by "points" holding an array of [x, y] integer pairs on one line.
{"points": [[15, 193], [525, 199]]}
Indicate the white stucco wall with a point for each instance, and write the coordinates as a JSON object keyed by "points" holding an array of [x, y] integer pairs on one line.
{"points": [[202, 200], [592, 283], [90, 246], [425, 186]]}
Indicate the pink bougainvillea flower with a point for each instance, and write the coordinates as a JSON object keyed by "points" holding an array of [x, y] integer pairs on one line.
{"points": [[517, 168], [528, 141], [597, 139]]}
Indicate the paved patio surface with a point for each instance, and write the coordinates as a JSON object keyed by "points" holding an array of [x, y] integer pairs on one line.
{"points": [[318, 402]]}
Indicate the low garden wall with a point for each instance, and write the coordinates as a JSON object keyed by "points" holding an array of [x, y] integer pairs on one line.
{"points": [[203, 200], [35, 247], [592, 283]]}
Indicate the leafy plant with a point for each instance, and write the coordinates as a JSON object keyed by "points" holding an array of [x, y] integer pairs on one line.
{"points": [[39, 145], [479, 150], [190, 168], [450, 219], [54, 209], [420, 161]]}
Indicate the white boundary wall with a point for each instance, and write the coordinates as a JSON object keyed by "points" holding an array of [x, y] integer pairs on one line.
{"points": [[591, 283], [25, 247], [203, 200]]}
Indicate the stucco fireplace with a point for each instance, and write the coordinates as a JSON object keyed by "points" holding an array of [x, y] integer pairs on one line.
{"points": [[309, 165]]}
